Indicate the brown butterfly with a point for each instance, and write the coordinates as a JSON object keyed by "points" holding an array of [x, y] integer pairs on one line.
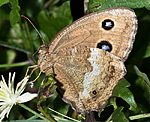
{"points": [[88, 57]]}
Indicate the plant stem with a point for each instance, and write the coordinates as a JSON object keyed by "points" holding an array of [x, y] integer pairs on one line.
{"points": [[3, 44], [64, 115], [14, 64], [33, 112], [140, 116]]}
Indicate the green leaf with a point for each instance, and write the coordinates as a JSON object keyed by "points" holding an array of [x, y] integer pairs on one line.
{"points": [[118, 115], [147, 52], [142, 75], [144, 83], [47, 90], [11, 54], [14, 14], [121, 90], [16, 35], [140, 88], [59, 18], [14, 17], [95, 5], [2, 2]]}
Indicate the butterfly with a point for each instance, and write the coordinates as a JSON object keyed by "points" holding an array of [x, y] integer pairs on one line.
{"points": [[88, 57]]}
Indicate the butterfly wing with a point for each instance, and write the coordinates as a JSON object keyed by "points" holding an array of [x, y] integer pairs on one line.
{"points": [[88, 78], [91, 30]]}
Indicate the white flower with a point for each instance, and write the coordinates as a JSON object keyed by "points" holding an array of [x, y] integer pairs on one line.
{"points": [[10, 96]]}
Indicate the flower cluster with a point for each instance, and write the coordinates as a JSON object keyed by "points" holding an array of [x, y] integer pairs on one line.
{"points": [[10, 96]]}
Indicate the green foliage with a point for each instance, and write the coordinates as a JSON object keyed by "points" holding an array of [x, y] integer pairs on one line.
{"points": [[2, 2], [60, 17], [19, 43], [118, 115], [121, 90], [96, 5], [14, 13]]}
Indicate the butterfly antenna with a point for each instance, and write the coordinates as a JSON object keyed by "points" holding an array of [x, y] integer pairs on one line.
{"points": [[33, 27]]}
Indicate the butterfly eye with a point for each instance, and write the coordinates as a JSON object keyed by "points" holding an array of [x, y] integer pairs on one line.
{"points": [[105, 45], [107, 24]]}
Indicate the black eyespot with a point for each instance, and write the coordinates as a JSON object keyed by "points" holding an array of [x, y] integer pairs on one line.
{"points": [[107, 24], [105, 45], [94, 92]]}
